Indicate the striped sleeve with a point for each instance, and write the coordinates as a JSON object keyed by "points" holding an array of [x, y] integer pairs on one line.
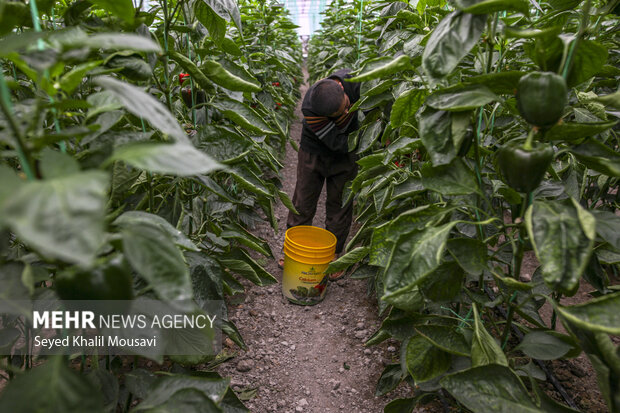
{"points": [[320, 125]]}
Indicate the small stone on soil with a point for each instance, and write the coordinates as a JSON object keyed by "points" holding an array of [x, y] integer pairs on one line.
{"points": [[245, 365]]}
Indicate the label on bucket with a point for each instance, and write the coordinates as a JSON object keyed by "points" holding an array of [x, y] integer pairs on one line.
{"points": [[304, 283]]}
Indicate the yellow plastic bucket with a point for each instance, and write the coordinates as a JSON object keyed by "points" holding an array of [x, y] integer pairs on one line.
{"points": [[308, 251]]}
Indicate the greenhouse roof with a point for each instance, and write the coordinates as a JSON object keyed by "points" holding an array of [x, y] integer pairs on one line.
{"points": [[307, 14]]}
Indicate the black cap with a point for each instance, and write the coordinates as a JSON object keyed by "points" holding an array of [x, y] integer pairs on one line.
{"points": [[326, 97]]}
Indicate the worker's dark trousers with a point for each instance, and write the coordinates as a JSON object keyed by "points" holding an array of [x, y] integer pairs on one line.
{"points": [[312, 171]]}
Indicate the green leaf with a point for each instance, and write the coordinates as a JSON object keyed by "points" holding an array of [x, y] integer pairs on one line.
{"points": [[195, 393], [588, 60], [445, 283], [250, 182], [383, 70], [561, 5], [14, 14], [181, 159], [414, 257], [571, 131], [598, 156], [264, 277], [228, 10], [347, 260], [543, 346], [490, 388], [72, 79], [491, 6], [240, 72], [286, 201], [595, 275], [207, 275], [60, 218], [229, 46], [611, 100], [144, 106], [120, 8], [244, 237], [231, 403], [13, 289], [484, 348], [453, 38], [501, 83], [242, 268], [190, 67], [219, 75], [410, 300], [549, 32], [600, 314], [562, 234], [114, 41], [607, 226], [401, 406], [243, 115], [512, 284], [10, 184], [406, 106], [224, 144], [447, 338], [369, 136], [123, 178], [390, 379], [215, 24], [9, 336], [471, 254], [33, 74], [435, 128], [232, 332], [152, 253], [131, 65], [105, 384], [51, 387], [56, 164], [130, 218], [453, 179], [187, 400], [425, 361], [13, 42], [462, 98]]}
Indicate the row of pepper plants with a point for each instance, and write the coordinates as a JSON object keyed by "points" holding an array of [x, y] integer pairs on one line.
{"points": [[490, 128], [139, 150]]}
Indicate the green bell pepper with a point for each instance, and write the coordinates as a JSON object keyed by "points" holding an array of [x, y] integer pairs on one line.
{"points": [[523, 165]]}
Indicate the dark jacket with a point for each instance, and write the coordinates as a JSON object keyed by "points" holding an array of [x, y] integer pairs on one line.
{"points": [[335, 142]]}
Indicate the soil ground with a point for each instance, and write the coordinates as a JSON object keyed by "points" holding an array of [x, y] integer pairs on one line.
{"points": [[307, 358], [312, 359]]}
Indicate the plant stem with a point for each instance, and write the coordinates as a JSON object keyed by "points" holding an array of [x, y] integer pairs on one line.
{"points": [[554, 315], [518, 257], [511, 311], [585, 17], [491, 42], [128, 403], [24, 156], [528, 142], [150, 183], [191, 210], [166, 68]]}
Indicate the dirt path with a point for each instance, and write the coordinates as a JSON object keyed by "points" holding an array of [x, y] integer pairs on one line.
{"points": [[307, 359]]}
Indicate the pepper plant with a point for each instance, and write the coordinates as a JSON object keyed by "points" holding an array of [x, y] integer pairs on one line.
{"points": [[114, 186], [489, 130]]}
